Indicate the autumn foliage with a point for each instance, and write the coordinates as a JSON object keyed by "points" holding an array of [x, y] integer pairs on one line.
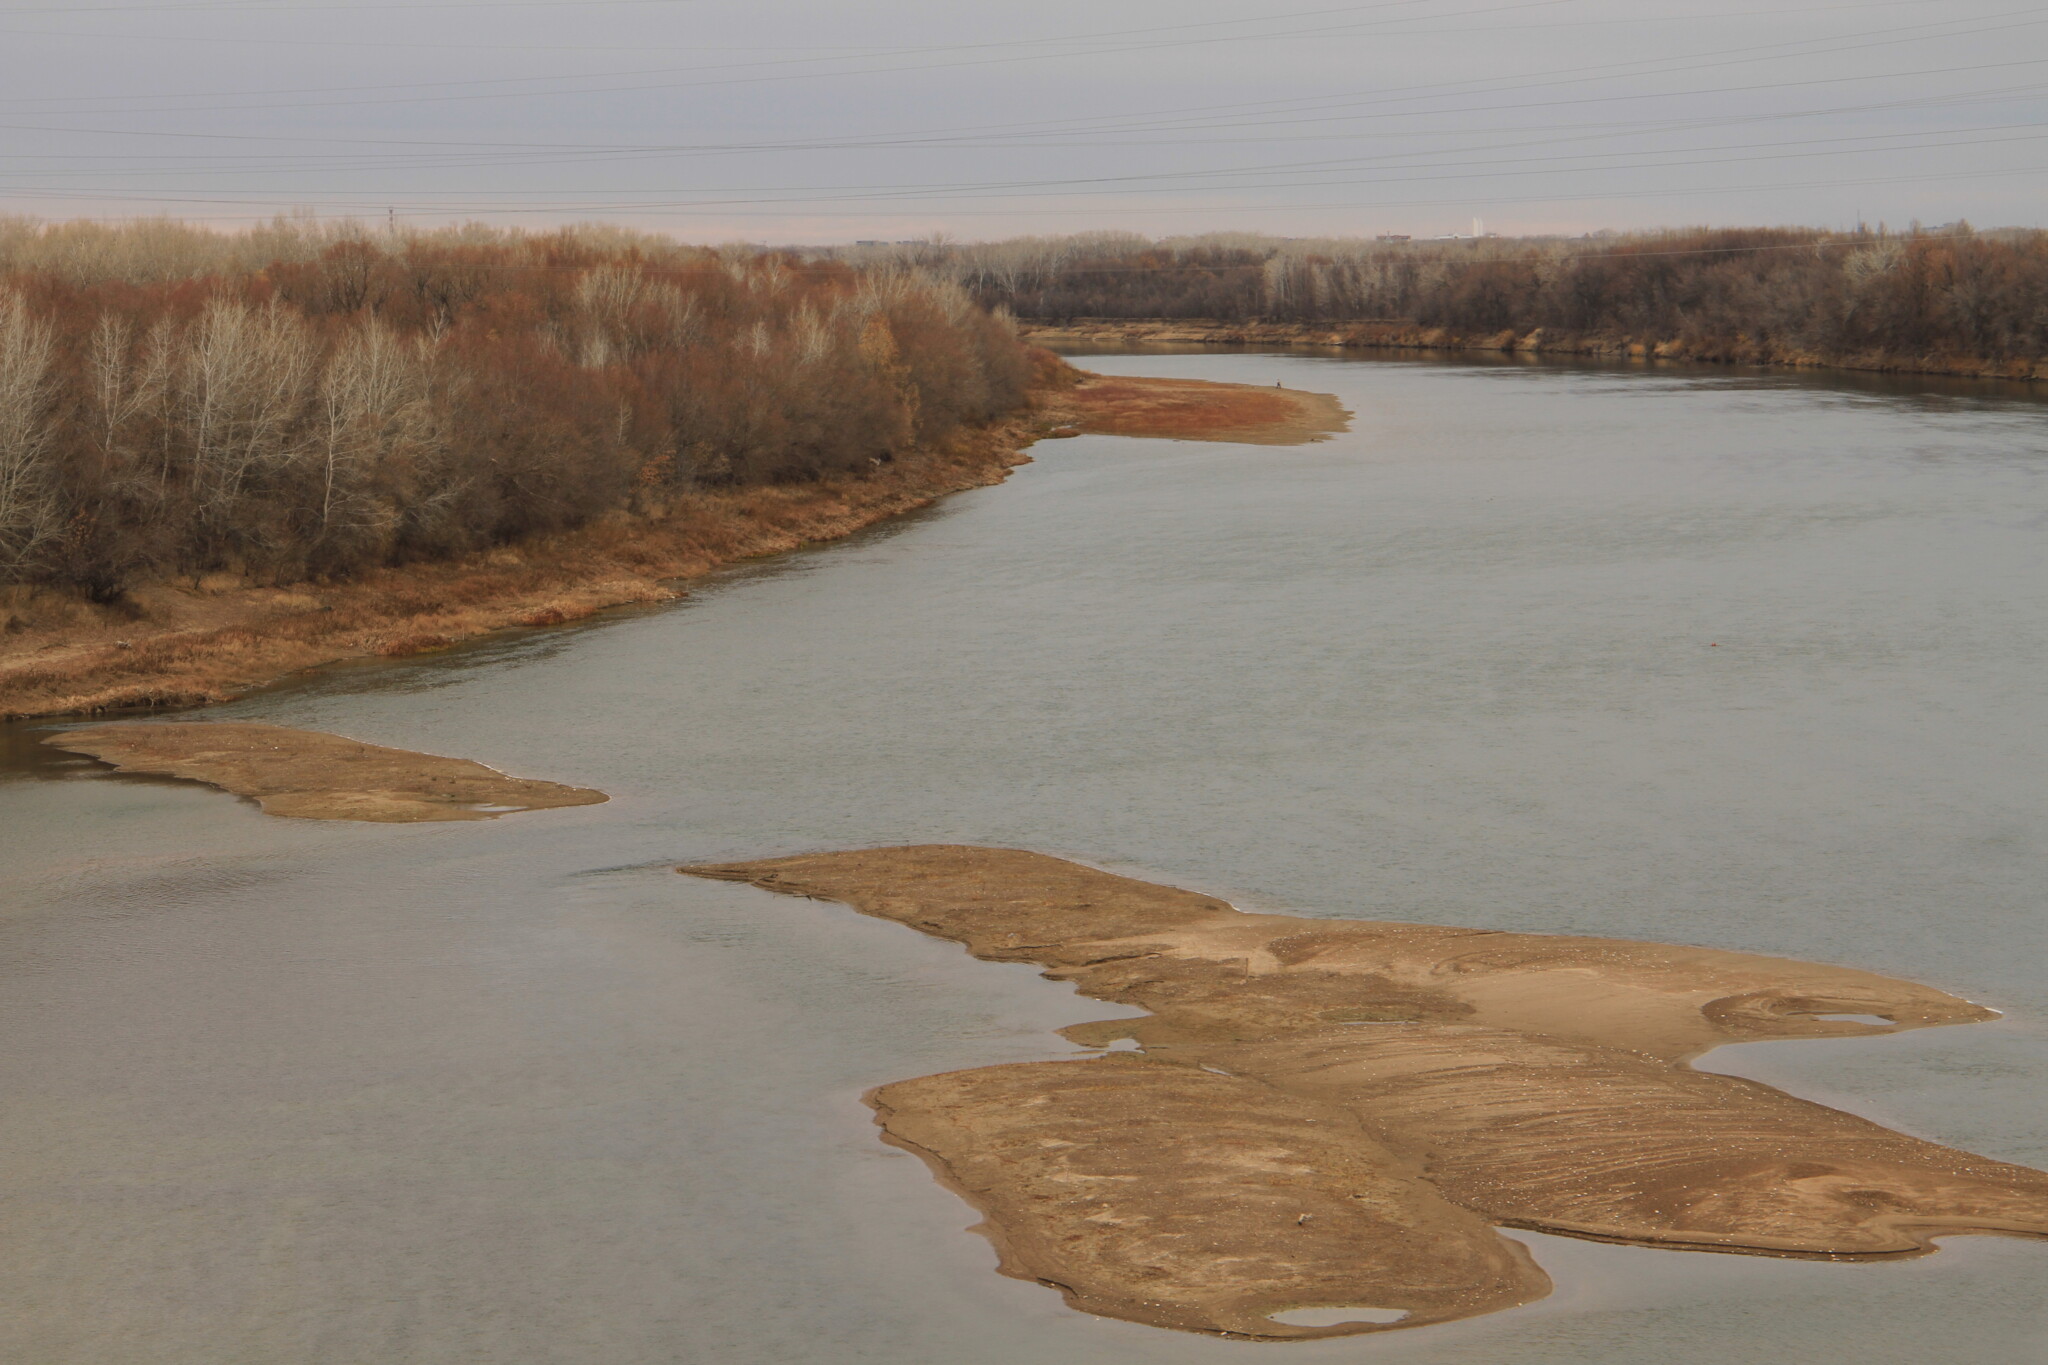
{"points": [[302, 403]]}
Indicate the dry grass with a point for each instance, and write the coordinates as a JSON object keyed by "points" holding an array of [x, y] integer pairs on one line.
{"points": [[189, 646]]}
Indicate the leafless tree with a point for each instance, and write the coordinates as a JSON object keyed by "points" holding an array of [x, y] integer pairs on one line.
{"points": [[29, 514]]}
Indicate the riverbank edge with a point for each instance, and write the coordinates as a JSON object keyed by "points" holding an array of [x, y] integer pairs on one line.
{"points": [[173, 645], [176, 646], [1376, 336]]}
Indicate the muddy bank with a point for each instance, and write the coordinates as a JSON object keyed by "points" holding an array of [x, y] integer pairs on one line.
{"points": [[1403, 336], [189, 644], [307, 775], [1196, 410], [1527, 1080]]}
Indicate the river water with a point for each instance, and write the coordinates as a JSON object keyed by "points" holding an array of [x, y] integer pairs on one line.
{"points": [[1754, 661]]}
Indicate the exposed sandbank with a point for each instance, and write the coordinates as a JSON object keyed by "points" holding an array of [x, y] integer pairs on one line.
{"points": [[1531, 1080], [1199, 410], [1174, 1196], [307, 775]]}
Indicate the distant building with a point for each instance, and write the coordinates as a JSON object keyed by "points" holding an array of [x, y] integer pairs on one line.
{"points": [[1395, 237]]}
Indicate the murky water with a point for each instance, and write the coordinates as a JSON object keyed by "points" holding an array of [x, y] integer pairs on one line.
{"points": [[1755, 662]]}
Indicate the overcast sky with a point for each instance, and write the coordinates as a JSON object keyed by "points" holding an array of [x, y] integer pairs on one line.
{"points": [[803, 120]]}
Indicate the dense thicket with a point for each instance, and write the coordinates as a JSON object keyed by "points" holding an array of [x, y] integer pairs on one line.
{"points": [[300, 402], [1950, 292]]}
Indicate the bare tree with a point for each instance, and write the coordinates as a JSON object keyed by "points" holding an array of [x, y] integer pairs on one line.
{"points": [[29, 514], [245, 381], [372, 408]]}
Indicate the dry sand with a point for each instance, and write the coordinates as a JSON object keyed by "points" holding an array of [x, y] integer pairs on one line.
{"points": [[306, 775], [1523, 1080], [1173, 1196]]}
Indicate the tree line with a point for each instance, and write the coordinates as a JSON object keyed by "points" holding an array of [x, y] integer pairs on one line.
{"points": [[300, 401], [1949, 292]]}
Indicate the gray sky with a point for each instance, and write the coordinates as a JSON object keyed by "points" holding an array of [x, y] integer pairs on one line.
{"points": [[798, 120]]}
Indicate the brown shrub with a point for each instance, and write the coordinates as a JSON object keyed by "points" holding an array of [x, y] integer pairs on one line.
{"points": [[352, 403], [1731, 293]]}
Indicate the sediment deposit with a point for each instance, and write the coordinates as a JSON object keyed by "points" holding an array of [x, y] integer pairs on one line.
{"points": [[1604, 1142], [307, 775], [1530, 1080], [1170, 1195]]}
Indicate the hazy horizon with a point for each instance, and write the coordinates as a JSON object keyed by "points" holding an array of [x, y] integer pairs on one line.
{"points": [[802, 122]]}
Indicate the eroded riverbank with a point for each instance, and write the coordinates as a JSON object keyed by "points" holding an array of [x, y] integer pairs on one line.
{"points": [[172, 647], [1403, 1087], [176, 646]]}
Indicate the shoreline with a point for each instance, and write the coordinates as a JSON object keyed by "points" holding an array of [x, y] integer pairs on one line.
{"points": [[183, 645], [177, 645], [1401, 336]]}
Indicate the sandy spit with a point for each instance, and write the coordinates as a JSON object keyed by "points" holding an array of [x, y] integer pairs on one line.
{"points": [[1199, 410], [308, 775]]}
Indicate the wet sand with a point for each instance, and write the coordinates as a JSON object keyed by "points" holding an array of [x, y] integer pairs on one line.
{"points": [[1520, 1080], [306, 775]]}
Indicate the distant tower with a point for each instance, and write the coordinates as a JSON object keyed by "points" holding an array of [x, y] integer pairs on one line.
{"points": [[1478, 227]]}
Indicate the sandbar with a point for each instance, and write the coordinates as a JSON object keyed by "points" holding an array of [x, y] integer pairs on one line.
{"points": [[1524, 1080], [1177, 1197], [309, 775], [1199, 410]]}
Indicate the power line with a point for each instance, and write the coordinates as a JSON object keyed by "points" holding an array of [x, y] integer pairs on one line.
{"points": [[1465, 201], [1070, 188], [1401, 94], [1447, 153], [1270, 167], [328, 41], [1319, 31]]}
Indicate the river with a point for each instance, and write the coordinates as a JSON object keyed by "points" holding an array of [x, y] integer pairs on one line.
{"points": [[1749, 660]]}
